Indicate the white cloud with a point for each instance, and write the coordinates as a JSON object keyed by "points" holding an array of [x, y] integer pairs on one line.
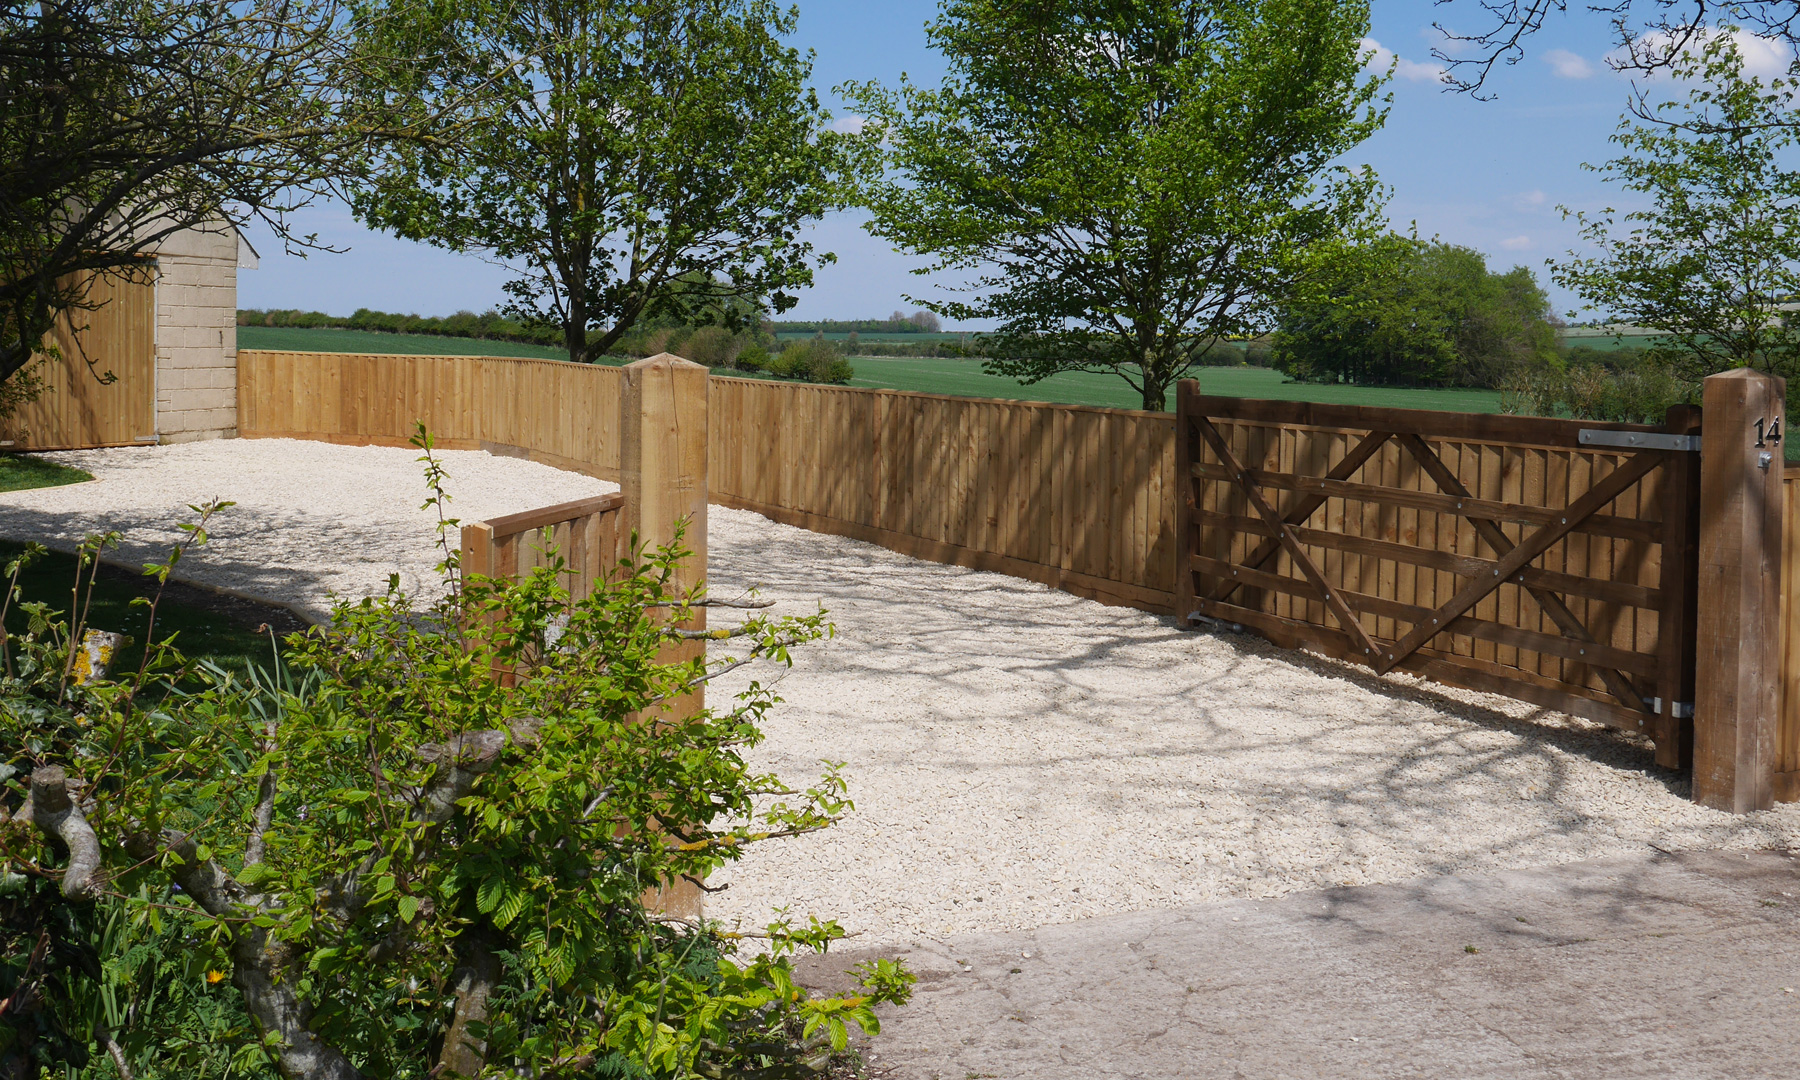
{"points": [[1530, 200], [1764, 58], [1516, 243], [851, 124], [1568, 65], [1377, 58]]}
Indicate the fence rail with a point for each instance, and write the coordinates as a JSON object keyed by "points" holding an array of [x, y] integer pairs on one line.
{"points": [[1076, 498], [586, 534]]}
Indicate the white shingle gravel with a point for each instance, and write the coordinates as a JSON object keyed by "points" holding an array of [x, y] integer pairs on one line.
{"points": [[1017, 756]]}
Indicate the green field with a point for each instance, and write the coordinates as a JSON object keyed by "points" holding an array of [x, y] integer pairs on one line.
{"points": [[1605, 340], [325, 339], [931, 375], [965, 378], [916, 339]]}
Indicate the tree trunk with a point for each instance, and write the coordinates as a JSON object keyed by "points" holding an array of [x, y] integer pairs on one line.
{"points": [[1155, 395], [477, 970]]}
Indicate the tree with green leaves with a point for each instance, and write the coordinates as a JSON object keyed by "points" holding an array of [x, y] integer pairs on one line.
{"points": [[124, 123], [419, 845], [1711, 258], [1128, 181], [632, 160], [1405, 312]]}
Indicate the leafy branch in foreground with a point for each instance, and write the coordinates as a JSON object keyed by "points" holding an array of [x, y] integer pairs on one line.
{"points": [[409, 867]]}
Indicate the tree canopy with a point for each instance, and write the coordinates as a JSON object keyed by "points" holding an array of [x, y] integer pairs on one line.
{"points": [[126, 122], [627, 160], [1128, 181], [1400, 311], [1711, 256]]}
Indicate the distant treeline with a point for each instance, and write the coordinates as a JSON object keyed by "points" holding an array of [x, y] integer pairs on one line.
{"points": [[489, 326], [919, 322]]}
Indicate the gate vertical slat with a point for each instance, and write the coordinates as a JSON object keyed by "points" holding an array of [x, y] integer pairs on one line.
{"points": [[1676, 622]]}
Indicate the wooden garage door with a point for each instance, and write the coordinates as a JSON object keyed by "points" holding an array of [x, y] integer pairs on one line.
{"points": [[76, 408]]}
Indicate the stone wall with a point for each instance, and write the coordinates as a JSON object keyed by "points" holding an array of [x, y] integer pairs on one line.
{"points": [[196, 335]]}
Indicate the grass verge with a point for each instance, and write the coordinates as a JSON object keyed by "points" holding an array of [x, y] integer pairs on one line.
{"points": [[205, 625], [21, 472]]}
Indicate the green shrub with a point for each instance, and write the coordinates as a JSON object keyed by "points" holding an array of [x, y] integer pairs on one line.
{"points": [[713, 346], [834, 370], [361, 846], [753, 358], [792, 361]]}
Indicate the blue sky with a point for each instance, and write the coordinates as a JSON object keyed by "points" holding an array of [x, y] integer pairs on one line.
{"points": [[1488, 174]]}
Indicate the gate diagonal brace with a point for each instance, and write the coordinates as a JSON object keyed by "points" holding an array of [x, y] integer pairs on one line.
{"points": [[1335, 602], [1304, 508], [1617, 682], [1532, 547]]}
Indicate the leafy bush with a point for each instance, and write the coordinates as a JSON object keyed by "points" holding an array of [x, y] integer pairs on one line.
{"points": [[754, 358], [422, 842], [815, 361], [1626, 387], [1403, 312], [713, 346]]}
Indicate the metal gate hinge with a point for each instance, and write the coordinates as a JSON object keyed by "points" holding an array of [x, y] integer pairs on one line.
{"points": [[1684, 710], [1638, 440]]}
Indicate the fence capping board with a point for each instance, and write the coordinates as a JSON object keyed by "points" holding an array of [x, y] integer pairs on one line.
{"points": [[550, 515], [422, 356], [1470, 427], [959, 399]]}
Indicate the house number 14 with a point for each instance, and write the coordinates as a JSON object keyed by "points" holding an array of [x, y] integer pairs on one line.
{"points": [[1772, 435]]}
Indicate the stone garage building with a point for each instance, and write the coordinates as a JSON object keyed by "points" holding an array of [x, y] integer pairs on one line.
{"points": [[169, 339]]}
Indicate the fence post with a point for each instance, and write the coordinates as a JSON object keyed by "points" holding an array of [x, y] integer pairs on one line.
{"points": [[662, 474], [1738, 657]]}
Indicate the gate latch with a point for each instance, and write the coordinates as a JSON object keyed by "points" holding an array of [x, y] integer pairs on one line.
{"points": [[1684, 710]]}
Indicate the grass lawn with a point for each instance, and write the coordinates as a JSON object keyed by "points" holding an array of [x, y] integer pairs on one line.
{"points": [[205, 624], [19, 472], [327, 339], [965, 378]]}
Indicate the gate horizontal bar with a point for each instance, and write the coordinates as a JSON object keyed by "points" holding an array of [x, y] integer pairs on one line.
{"points": [[1640, 440]]}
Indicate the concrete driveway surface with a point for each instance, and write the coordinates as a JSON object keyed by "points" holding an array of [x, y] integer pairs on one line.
{"points": [[1684, 965]]}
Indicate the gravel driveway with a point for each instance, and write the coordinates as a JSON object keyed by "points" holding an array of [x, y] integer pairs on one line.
{"points": [[1018, 756]]}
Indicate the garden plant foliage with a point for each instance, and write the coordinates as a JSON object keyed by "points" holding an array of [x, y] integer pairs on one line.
{"points": [[419, 844]]}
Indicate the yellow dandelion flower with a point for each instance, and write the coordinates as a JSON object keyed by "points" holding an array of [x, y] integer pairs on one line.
{"points": [[215, 976]]}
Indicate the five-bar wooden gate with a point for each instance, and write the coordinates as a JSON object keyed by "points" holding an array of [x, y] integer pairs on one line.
{"points": [[1547, 560]]}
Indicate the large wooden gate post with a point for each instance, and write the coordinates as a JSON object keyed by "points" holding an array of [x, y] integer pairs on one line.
{"points": [[662, 474], [1737, 703]]}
